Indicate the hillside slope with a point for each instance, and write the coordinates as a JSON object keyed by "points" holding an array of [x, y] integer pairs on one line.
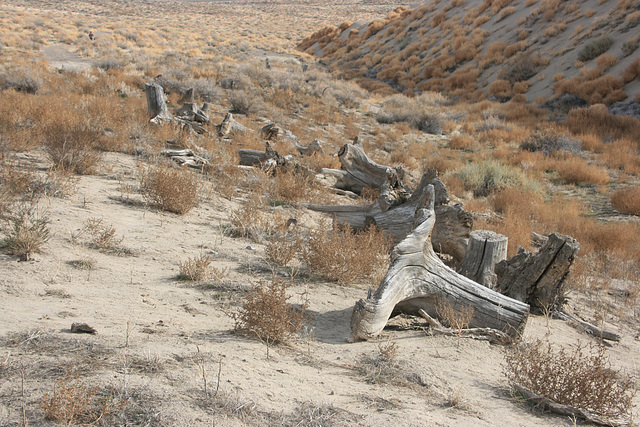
{"points": [[511, 49]]}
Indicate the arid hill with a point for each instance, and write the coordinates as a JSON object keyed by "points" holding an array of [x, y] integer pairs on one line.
{"points": [[508, 49]]}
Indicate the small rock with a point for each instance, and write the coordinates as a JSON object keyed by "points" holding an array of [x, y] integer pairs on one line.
{"points": [[82, 328]]}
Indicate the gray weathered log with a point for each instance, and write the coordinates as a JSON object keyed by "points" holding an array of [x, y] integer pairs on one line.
{"points": [[539, 279], [417, 279], [270, 132], [156, 104], [251, 157], [486, 249], [450, 234], [587, 327], [185, 157], [485, 334]]}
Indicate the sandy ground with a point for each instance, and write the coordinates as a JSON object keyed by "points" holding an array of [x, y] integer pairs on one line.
{"points": [[170, 325]]}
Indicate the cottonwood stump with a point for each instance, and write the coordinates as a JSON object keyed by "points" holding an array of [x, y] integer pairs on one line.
{"points": [[486, 249], [539, 279], [156, 103], [417, 279], [190, 111]]}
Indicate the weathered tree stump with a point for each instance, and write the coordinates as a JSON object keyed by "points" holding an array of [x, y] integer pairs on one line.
{"points": [[190, 111], [539, 279], [313, 147], [358, 172], [230, 125], [486, 249], [450, 233], [156, 103], [417, 279]]}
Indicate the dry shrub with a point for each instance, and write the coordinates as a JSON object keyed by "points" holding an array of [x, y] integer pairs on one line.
{"points": [[103, 236], [252, 220], [501, 89], [621, 154], [597, 120], [627, 200], [486, 177], [73, 146], [517, 209], [283, 247], [462, 142], [292, 186], [632, 72], [549, 141], [342, 255], [454, 317], [523, 67], [267, 315], [196, 269], [576, 170], [74, 402], [172, 189], [383, 367], [606, 60], [26, 230], [581, 377]]}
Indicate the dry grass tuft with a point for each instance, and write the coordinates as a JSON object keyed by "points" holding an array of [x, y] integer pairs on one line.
{"points": [[627, 200], [581, 377], [383, 367], [172, 189], [26, 230], [196, 269]]}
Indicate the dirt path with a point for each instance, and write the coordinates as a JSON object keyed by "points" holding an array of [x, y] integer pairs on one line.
{"points": [[61, 58]]}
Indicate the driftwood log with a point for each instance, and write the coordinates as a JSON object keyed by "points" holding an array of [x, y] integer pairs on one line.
{"points": [[586, 326], [486, 249], [452, 226], [185, 157], [539, 279], [417, 279]]}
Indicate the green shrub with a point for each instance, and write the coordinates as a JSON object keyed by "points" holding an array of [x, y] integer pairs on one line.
{"points": [[595, 48], [492, 176]]}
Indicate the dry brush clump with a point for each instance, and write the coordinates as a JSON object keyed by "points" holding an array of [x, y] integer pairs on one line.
{"points": [[581, 377], [267, 314], [627, 200], [344, 256], [170, 188]]}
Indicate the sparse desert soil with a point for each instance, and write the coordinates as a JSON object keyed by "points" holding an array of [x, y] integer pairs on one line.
{"points": [[170, 324], [159, 338]]}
